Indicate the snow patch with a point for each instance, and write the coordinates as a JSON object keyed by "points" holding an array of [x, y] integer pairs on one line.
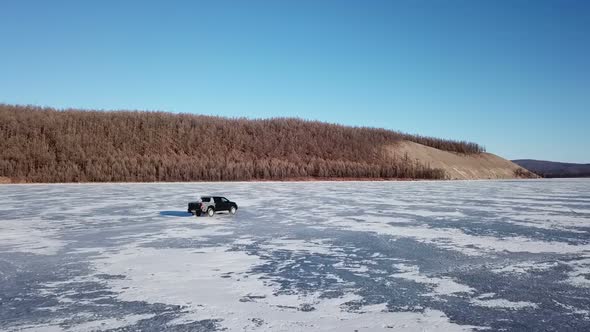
{"points": [[579, 276], [526, 267], [440, 286], [503, 303], [30, 236], [321, 247]]}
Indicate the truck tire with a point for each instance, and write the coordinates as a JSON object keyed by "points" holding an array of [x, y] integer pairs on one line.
{"points": [[210, 212], [232, 210], [198, 213]]}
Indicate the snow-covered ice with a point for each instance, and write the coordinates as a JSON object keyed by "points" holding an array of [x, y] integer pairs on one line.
{"points": [[322, 256]]}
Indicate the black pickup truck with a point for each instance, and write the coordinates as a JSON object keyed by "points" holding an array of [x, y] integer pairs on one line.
{"points": [[212, 204]]}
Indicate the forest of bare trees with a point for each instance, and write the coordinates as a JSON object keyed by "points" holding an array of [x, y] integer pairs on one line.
{"points": [[48, 145]]}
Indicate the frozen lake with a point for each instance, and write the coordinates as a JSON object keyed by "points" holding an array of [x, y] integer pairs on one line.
{"points": [[321, 256]]}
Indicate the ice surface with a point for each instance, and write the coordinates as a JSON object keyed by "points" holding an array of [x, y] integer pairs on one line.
{"points": [[325, 256]]}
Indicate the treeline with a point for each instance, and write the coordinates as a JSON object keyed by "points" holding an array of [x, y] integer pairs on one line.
{"points": [[48, 145]]}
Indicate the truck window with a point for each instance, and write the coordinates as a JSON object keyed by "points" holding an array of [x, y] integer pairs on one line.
{"points": [[206, 199]]}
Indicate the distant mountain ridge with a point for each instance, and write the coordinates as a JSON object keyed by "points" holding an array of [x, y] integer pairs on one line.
{"points": [[552, 169]]}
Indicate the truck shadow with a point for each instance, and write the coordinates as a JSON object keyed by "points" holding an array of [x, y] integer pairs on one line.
{"points": [[175, 214]]}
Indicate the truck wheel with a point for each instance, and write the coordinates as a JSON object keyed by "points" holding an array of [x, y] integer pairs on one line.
{"points": [[232, 210], [198, 213], [210, 212]]}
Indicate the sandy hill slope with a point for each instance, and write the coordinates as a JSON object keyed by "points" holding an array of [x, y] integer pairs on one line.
{"points": [[458, 166]]}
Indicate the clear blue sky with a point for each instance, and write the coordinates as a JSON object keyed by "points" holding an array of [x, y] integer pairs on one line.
{"points": [[511, 75]]}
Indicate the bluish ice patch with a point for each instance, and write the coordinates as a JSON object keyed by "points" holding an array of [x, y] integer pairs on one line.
{"points": [[176, 214]]}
